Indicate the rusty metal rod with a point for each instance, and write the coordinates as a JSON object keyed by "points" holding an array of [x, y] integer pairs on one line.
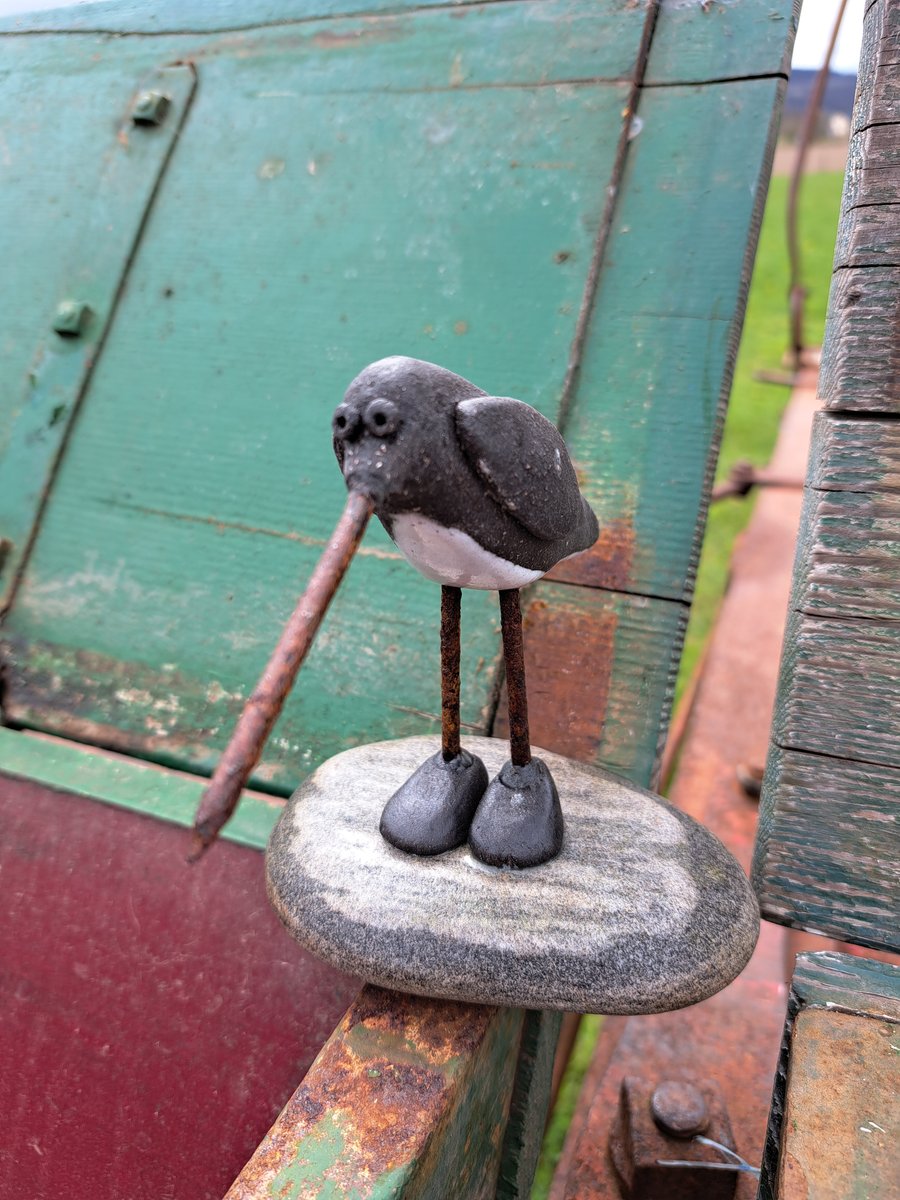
{"points": [[514, 654], [451, 602], [260, 713], [796, 290]]}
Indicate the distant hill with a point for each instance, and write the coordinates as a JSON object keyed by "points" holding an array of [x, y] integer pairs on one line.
{"points": [[838, 93]]}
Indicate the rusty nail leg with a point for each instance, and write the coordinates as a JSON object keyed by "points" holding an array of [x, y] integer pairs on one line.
{"points": [[242, 753], [514, 654], [451, 599]]}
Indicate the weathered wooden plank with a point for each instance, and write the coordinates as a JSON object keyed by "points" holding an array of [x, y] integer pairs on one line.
{"points": [[81, 259], [867, 986], [878, 89], [654, 378], [849, 455], [847, 555], [873, 165], [171, 16], [718, 40], [870, 235], [837, 1088], [861, 362], [611, 713], [407, 1095], [844, 880], [838, 692]]}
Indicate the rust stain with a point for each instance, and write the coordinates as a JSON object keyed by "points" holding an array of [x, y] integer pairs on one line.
{"points": [[386, 1106], [568, 663], [373, 31], [607, 564]]}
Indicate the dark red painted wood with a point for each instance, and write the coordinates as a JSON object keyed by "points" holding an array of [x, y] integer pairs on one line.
{"points": [[154, 1017]]}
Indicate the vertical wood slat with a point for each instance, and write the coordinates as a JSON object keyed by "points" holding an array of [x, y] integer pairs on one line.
{"points": [[828, 846], [861, 360]]}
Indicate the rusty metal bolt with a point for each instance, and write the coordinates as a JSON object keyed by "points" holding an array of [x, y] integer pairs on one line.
{"points": [[71, 318], [150, 108], [679, 1109]]}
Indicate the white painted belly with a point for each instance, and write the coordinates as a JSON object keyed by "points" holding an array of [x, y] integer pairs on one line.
{"points": [[452, 557]]}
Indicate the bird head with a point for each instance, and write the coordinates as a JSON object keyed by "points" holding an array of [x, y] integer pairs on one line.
{"points": [[392, 428]]}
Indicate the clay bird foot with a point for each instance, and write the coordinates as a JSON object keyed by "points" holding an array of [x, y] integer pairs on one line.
{"points": [[433, 810], [519, 822]]}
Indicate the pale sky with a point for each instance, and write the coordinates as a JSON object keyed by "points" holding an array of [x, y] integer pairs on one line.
{"points": [[816, 22]]}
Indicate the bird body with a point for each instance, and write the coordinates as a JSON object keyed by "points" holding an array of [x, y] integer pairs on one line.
{"points": [[476, 491]]}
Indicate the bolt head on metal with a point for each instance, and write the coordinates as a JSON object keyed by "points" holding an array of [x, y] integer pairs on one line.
{"points": [[150, 108], [679, 1109], [71, 318]]}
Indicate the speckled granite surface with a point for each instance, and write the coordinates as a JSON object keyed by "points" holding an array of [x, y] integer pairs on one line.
{"points": [[643, 910]]}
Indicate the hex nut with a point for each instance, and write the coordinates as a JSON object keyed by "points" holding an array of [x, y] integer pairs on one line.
{"points": [[150, 108], [71, 318]]}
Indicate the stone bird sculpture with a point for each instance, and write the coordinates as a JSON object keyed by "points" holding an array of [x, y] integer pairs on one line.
{"points": [[476, 491]]}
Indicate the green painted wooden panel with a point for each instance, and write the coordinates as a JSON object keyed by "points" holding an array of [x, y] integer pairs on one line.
{"points": [[816, 882], [719, 40], [71, 220], [173, 16], [299, 234], [658, 361]]}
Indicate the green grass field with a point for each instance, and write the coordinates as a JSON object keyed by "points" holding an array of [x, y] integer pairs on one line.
{"points": [[751, 428]]}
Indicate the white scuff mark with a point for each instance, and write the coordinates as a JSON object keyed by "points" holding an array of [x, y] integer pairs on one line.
{"points": [[457, 75]]}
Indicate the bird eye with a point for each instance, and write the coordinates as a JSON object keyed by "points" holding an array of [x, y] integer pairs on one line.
{"points": [[344, 423], [382, 417]]}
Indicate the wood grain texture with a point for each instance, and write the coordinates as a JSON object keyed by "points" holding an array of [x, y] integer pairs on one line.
{"points": [[847, 555], [844, 881], [834, 1105], [828, 845], [849, 455], [877, 89], [861, 362], [719, 40], [861, 356], [838, 692]]}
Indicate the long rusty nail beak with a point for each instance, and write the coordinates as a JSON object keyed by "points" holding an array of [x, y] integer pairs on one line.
{"points": [[260, 713]]}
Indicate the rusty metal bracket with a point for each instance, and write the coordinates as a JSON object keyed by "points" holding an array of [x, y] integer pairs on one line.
{"points": [[657, 1145]]}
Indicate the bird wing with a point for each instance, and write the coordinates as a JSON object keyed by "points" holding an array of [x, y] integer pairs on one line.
{"points": [[522, 461]]}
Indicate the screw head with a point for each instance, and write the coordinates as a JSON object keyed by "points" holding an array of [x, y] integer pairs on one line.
{"points": [[679, 1109], [150, 108], [71, 318]]}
